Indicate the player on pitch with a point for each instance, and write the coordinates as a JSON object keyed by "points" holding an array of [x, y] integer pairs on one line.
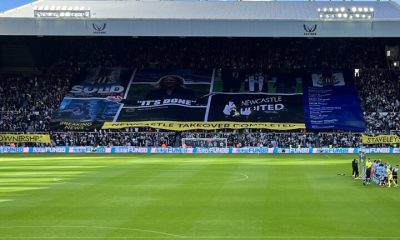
{"points": [[362, 164]]}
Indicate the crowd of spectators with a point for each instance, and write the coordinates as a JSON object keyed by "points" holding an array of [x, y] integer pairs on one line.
{"points": [[237, 138], [244, 53], [28, 103], [260, 138], [380, 99], [107, 138]]}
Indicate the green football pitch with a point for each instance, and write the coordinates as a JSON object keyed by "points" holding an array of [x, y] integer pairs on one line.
{"points": [[95, 196]]}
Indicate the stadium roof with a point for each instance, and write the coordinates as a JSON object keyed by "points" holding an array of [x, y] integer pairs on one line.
{"points": [[200, 18], [133, 9]]}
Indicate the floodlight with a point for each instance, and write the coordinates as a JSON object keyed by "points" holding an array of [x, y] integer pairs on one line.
{"points": [[343, 13], [54, 11]]}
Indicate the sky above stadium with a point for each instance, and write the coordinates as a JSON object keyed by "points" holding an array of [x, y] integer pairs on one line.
{"points": [[9, 4]]}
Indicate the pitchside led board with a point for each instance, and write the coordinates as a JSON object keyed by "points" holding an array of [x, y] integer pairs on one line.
{"points": [[185, 99]]}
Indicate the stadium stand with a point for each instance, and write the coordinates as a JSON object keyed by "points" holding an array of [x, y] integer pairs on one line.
{"points": [[379, 92], [28, 103], [200, 119]]}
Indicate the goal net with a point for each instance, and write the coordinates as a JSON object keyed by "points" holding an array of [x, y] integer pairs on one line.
{"points": [[204, 142]]}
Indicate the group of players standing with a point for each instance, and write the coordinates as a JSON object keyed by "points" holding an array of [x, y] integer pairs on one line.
{"points": [[378, 171]]}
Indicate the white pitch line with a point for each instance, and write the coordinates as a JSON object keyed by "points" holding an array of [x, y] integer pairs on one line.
{"points": [[245, 177], [209, 237], [99, 227]]}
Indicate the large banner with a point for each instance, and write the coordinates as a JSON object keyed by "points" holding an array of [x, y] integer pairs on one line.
{"points": [[205, 99], [109, 83], [187, 99], [171, 95], [261, 107], [24, 138], [257, 81], [96, 99], [331, 102], [183, 126], [381, 139]]}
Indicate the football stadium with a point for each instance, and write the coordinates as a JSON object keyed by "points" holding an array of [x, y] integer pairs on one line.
{"points": [[172, 119]]}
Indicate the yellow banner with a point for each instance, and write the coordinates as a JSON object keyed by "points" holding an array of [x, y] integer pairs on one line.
{"points": [[24, 138], [380, 139], [183, 126]]}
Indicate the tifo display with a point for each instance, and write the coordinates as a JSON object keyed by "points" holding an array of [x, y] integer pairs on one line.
{"points": [[190, 99], [264, 95]]}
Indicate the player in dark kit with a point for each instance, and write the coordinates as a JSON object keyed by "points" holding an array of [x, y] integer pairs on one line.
{"points": [[354, 165], [394, 172]]}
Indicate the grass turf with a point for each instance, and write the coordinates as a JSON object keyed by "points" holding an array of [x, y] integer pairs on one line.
{"points": [[96, 196]]}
